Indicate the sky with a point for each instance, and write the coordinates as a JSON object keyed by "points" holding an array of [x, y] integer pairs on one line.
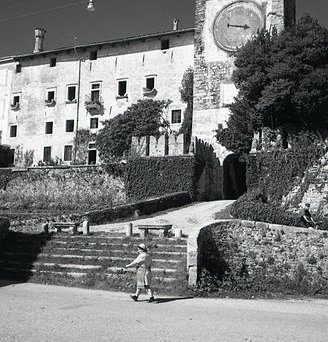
{"points": [[67, 22]]}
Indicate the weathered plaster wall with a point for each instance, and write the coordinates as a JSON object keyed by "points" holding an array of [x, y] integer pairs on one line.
{"points": [[6, 69], [130, 60], [266, 253]]}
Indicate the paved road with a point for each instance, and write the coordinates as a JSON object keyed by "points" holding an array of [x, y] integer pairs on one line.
{"points": [[38, 313]]}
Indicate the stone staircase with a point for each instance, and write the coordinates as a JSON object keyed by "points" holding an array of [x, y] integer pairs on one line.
{"points": [[93, 261]]}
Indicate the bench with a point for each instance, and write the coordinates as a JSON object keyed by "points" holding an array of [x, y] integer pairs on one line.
{"points": [[65, 225], [162, 228]]}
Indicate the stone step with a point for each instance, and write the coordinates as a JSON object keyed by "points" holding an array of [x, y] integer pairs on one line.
{"points": [[40, 265], [75, 275]]}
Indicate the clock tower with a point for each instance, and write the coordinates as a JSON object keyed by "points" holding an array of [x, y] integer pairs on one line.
{"points": [[221, 26]]}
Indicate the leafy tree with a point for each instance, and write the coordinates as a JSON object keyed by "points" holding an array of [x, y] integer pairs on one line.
{"points": [[141, 119], [283, 83], [186, 92]]}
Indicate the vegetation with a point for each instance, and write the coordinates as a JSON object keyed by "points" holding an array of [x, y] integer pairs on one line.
{"points": [[141, 119], [283, 84], [81, 145], [6, 156], [187, 92]]}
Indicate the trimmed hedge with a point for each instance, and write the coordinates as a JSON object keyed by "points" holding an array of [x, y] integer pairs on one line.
{"points": [[147, 177], [6, 156], [146, 207]]}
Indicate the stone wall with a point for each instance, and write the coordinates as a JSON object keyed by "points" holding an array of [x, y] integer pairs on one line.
{"points": [[256, 254]]}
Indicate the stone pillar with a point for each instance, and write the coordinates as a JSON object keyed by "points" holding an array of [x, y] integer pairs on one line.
{"points": [[45, 228], [86, 227], [129, 229], [178, 233]]}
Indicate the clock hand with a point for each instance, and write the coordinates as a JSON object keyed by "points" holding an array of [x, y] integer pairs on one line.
{"points": [[245, 27]]}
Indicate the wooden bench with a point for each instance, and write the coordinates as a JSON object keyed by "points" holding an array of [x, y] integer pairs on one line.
{"points": [[65, 225], [162, 228]]}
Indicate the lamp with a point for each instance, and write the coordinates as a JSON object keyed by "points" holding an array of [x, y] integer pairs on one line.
{"points": [[90, 7]]}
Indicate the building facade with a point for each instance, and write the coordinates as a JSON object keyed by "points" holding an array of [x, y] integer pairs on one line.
{"points": [[48, 96]]}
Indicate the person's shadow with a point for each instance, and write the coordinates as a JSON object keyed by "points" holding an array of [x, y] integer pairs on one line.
{"points": [[162, 300]]}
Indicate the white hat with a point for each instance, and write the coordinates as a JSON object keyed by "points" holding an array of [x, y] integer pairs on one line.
{"points": [[143, 247]]}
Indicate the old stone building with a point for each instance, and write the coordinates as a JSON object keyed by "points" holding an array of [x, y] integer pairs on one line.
{"points": [[47, 96]]}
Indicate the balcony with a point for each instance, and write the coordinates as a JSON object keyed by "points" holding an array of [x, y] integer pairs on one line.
{"points": [[50, 103], [94, 107], [15, 106], [149, 92]]}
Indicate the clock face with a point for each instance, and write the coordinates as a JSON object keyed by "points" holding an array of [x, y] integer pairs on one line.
{"points": [[236, 24]]}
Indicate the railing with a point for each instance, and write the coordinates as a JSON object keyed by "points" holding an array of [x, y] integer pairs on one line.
{"points": [[94, 106]]}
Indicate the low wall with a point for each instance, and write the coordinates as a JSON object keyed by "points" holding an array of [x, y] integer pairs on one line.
{"points": [[256, 256], [138, 208]]}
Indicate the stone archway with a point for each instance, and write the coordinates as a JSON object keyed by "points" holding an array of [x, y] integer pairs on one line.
{"points": [[234, 177]]}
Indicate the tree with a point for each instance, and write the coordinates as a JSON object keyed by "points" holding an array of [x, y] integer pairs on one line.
{"points": [[186, 92], [283, 84], [141, 119]]}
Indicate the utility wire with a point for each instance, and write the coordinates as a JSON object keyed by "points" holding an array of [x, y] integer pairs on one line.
{"points": [[42, 11]]}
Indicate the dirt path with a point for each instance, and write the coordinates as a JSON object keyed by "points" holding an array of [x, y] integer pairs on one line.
{"points": [[186, 218]]}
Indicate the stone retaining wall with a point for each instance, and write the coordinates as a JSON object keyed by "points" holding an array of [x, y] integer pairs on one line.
{"points": [[271, 256]]}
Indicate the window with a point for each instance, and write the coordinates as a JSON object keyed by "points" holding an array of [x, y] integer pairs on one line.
{"points": [[18, 68], [95, 92], [71, 93], [13, 131], [176, 116], [92, 154], [150, 83], [165, 44], [94, 123], [69, 125], [93, 55], [53, 62], [68, 149], [16, 100], [49, 127], [51, 95], [122, 87], [47, 154]]}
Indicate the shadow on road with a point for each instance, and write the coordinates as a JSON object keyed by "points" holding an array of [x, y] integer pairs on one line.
{"points": [[170, 299]]}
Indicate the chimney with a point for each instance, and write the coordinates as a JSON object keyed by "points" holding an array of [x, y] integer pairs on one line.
{"points": [[175, 24], [39, 38]]}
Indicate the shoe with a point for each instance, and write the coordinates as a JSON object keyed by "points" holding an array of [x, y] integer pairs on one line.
{"points": [[151, 300], [135, 298]]}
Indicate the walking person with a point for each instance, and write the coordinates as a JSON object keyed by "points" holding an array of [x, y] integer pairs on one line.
{"points": [[143, 265]]}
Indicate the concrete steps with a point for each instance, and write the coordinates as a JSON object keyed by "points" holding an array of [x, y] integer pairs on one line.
{"points": [[94, 261]]}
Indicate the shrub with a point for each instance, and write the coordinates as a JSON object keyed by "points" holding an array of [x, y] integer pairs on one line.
{"points": [[155, 176], [6, 156], [254, 206]]}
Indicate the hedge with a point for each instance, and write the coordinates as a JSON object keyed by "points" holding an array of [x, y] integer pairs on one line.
{"points": [[145, 207], [147, 177], [6, 156]]}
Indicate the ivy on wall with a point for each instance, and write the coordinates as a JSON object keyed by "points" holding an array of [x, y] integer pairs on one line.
{"points": [[154, 176], [272, 175]]}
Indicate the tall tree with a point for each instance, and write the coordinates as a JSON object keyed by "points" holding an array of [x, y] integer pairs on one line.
{"points": [[283, 83], [186, 92]]}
